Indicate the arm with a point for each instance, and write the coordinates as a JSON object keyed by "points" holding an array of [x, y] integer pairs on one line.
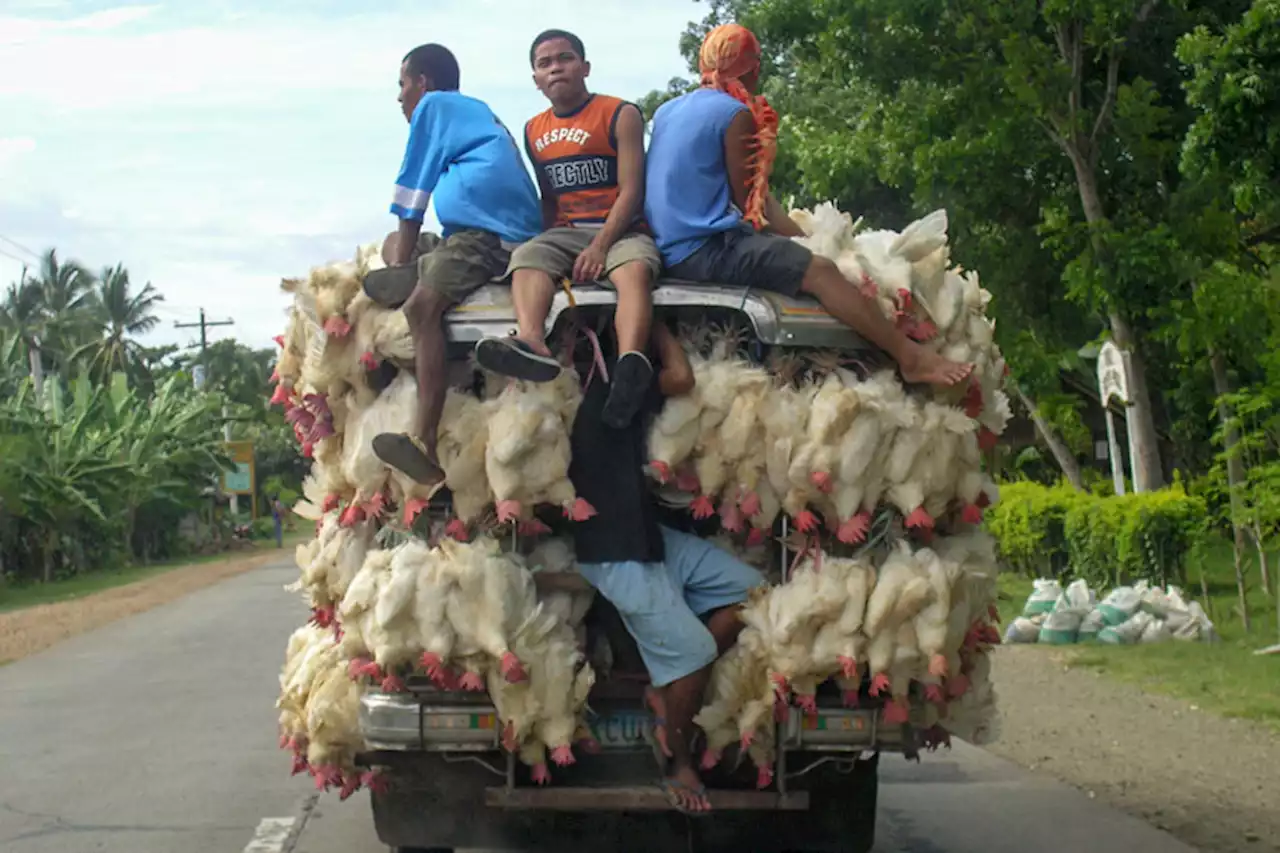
{"points": [[630, 135], [779, 220], [550, 206], [424, 162], [737, 150], [676, 377]]}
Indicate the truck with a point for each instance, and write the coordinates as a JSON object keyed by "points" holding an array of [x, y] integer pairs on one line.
{"points": [[451, 785]]}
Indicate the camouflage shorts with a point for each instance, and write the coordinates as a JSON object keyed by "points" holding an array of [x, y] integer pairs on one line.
{"points": [[460, 264]]}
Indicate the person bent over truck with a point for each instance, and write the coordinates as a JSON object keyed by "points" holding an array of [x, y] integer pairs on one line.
{"points": [[679, 596]]}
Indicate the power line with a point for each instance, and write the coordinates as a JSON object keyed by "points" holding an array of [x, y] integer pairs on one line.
{"points": [[21, 247]]}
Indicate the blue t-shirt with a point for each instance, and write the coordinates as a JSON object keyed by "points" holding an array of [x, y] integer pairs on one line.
{"points": [[686, 193], [461, 152]]}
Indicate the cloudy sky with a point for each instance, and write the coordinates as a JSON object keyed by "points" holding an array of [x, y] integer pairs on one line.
{"points": [[214, 148]]}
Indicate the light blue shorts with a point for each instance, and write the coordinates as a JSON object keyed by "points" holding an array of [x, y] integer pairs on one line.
{"points": [[660, 602]]}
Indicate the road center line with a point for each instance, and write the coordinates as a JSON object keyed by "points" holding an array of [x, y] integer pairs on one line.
{"points": [[271, 835]]}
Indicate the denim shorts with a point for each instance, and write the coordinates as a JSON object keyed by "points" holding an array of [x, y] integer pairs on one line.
{"points": [[744, 258], [660, 603]]}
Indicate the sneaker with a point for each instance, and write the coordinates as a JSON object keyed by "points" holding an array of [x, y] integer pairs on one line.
{"points": [[632, 378], [515, 358]]}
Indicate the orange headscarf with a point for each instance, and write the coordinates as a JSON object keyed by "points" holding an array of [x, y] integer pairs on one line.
{"points": [[729, 53]]}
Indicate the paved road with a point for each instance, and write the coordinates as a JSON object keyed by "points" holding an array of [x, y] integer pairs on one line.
{"points": [[157, 735]]}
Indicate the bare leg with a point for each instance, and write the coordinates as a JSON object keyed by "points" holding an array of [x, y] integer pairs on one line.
{"points": [[725, 625], [683, 698], [426, 310], [845, 302], [635, 306], [389, 248], [532, 291]]}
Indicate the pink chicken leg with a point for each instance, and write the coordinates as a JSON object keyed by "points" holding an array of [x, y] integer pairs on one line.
{"points": [[541, 775], [879, 684], [472, 681], [511, 668], [731, 518], [579, 510], [413, 508], [702, 507], [855, 529], [895, 712], [563, 755], [457, 529], [821, 481], [337, 326], [661, 471], [508, 511], [806, 522]]}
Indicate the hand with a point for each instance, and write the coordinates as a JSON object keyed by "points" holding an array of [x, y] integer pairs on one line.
{"points": [[590, 264]]}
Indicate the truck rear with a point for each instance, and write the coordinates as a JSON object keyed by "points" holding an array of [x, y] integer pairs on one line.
{"points": [[450, 783]]}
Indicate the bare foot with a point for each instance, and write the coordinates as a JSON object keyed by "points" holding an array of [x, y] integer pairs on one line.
{"points": [[926, 366], [658, 705]]}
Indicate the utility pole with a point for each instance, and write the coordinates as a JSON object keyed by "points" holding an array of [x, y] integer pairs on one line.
{"points": [[204, 325], [204, 338]]}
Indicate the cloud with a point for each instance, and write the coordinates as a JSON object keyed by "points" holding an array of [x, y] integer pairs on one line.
{"points": [[215, 149]]}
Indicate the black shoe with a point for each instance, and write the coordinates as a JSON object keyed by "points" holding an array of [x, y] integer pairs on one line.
{"points": [[513, 357], [391, 287], [381, 377], [632, 378], [407, 455]]}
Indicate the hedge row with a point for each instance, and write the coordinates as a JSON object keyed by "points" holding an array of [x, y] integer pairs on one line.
{"points": [[1050, 532]]}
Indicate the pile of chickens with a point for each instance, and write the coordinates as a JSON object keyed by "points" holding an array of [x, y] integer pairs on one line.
{"points": [[813, 441]]}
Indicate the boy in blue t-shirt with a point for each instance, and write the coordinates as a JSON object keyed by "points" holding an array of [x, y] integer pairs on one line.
{"points": [[460, 153]]}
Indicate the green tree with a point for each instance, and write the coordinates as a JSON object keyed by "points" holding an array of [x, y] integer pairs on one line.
{"points": [[123, 315]]}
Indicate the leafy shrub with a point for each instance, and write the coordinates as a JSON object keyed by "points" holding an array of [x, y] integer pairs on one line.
{"points": [[1106, 540]]}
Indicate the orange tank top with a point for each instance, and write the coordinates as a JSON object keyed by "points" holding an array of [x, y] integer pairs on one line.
{"points": [[576, 157]]}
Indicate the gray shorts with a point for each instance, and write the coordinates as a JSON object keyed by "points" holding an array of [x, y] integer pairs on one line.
{"points": [[555, 250], [747, 259]]}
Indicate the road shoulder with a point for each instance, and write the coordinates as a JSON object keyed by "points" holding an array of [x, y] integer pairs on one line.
{"points": [[1208, 780], [33, 629]]}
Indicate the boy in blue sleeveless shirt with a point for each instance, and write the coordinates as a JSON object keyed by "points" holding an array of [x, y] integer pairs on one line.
{"points": [[707, 200]]}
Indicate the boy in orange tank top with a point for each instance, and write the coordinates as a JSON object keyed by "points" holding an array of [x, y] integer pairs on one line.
{"points": [[588, 156]]}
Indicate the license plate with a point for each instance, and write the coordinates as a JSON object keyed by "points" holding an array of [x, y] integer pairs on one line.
{"points": [[834, 723], [620, 730], [456, 722]]}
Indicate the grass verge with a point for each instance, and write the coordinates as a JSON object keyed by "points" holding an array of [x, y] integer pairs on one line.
{"points": [[1224, 677], [31, 595]]}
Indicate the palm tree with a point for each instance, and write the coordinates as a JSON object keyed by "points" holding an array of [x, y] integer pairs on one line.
{"points": [[122, 315], [66, 306], [22, 315]]}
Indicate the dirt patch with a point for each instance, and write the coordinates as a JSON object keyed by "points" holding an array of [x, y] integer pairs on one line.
{"points": [[33, 629], [1208, 780]]}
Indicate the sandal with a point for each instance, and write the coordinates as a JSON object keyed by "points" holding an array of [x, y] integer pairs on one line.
{"points": [[513, 357], [407, 455], [671, 788]]}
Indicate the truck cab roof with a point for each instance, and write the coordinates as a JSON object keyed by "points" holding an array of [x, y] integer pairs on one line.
{"points": [[776, 320]]}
